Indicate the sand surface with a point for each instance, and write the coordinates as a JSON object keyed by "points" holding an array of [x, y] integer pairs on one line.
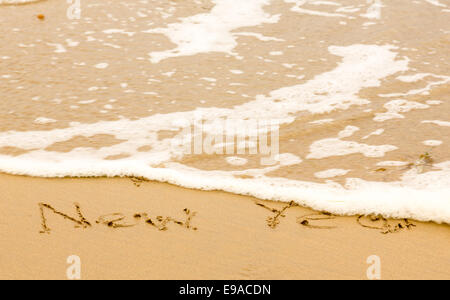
{"points": [[360, 91], [227, 237], [361, 88]]}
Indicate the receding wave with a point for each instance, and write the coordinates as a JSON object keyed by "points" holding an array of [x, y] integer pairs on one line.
{"points": [[362, 117]]}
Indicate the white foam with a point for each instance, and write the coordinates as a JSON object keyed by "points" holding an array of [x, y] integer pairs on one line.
{"points": [[212, 32], [288, 159], [43, 120], [376, 132], [298, 8], [374, 10], [17, 1], [330, 3], [399, 199], [259, 36], [209, 79], [72, 43], [419, 196], [236, 161], [322, 121], [436, 3], [395, 107], [102, 65], [413, 78], [390, 163], [421, 91], [437, 122], [59, 48], [337, 147], [434, 102], [348, 9], [87, 101], [432, 143], [348, 131], [276, 53], [122, 31]]}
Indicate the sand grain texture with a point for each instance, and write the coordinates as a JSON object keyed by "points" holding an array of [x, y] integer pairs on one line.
{"points": [[232, 240]]}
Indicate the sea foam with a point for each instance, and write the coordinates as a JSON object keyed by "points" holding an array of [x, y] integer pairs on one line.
{"points": [[420, 196], [212, 32]]}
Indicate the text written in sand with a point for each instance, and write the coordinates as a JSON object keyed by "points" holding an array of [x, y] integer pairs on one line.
{"points": [[116, 220], [317, 220]]}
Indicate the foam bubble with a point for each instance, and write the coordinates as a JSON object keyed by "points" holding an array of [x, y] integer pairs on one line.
{"points": [[236, 161], [17, 1], [337, 147], [43, 120], [432, 143], [376, 132], [322, 121], [102, 65], [212, 32], [374, 10], [299, 9], [437, 122], [276, 53], [59, 48], [395, 107], [390, 163], [436, 3]]}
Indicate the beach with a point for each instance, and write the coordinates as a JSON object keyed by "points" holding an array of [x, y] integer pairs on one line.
{"points": [[229, 238]]}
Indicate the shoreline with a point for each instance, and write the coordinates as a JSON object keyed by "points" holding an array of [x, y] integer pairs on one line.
{"points": [[150, 230]]}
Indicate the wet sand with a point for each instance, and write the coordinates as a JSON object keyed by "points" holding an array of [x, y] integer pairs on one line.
{"points": [[61, 73], [228, 236]]}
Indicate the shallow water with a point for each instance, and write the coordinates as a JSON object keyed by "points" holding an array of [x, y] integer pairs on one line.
{"points": [[359, 89]]}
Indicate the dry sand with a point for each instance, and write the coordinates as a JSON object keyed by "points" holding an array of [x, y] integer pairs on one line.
{"points": [[229, 236]]}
